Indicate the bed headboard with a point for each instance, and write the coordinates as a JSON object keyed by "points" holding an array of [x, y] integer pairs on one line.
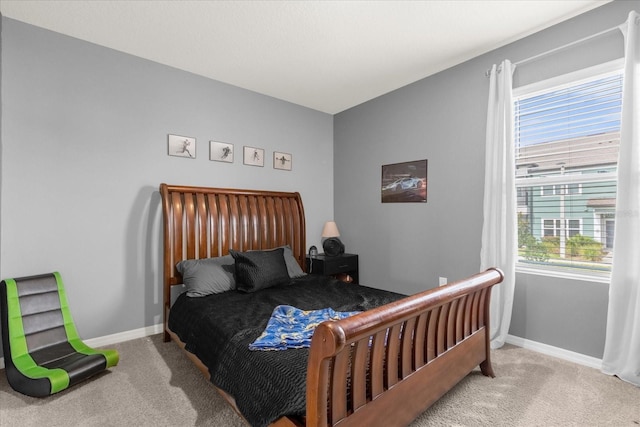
{"points": [[202, 222]]}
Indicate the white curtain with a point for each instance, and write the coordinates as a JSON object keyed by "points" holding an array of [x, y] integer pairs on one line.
{"points": [[499, 230], [622, 343]]}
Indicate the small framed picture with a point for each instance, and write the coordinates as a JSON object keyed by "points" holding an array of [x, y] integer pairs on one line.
{"points": [[253, 156], [281, 161], [220, 151], [182, 146], [405, 182]]}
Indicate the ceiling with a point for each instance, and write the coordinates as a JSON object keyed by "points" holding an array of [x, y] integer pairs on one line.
{"points": [[325, 55]]}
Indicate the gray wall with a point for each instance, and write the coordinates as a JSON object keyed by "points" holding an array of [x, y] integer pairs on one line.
{"points": [[442, 118], [84, 149]]}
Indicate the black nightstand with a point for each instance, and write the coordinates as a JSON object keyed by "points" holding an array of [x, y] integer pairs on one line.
{"points": [[332, 265]]}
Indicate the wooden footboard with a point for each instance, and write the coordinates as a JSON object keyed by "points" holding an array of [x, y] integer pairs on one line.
{"points": [[406, 355]]}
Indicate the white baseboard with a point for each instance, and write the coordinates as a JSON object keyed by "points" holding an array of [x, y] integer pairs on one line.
{"points": [[560, 353], [124, 336], [117, 338]]}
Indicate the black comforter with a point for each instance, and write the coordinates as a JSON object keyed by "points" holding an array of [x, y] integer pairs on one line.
{"points": [[265, 384]]}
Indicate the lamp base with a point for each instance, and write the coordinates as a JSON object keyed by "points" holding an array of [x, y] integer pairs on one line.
{"points": [[333, 246]]}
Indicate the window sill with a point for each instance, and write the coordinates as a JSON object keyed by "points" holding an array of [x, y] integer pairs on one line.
{"points": [[604, 277]]}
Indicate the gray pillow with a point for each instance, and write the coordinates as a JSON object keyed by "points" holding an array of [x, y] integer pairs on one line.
{"points": [[208, 275], [257, 270], [293, 267]]}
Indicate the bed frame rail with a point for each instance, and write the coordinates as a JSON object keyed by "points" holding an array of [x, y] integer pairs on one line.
{"points": [[406, 354]]}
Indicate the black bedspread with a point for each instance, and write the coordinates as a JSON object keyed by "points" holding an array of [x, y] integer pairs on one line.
{"points": [[265, 384]]}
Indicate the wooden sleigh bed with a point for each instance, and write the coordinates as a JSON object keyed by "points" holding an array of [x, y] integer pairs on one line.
{"points": [[382, 367]]}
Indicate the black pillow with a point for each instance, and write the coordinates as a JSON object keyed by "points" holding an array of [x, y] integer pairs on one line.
{"points": [[257, 270]]}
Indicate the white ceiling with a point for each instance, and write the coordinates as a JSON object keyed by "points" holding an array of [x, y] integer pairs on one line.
{"points": [[325, 55]]}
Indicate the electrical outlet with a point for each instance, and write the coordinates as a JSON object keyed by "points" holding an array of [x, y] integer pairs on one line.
{"points": [[442, 281]]}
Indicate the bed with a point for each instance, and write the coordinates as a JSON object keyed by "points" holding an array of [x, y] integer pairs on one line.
{"points": [[383, 366]]}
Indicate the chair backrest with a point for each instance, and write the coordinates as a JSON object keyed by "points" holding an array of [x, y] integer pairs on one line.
{"points": [[43, 351], [36, 309]]}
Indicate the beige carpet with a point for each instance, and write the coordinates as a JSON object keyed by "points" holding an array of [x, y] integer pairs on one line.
{"points": [[156, 385]]}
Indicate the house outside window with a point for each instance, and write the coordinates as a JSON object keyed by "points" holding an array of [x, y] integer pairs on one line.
{"points": [[567, 135]]}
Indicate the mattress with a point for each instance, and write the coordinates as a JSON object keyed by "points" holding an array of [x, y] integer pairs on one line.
{"points": [[265, 384]]}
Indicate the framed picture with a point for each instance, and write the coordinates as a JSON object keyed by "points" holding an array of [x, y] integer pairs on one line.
{"points": [[182, 146], [220, 151], [281, 161], [253, 156], [404, 182]]}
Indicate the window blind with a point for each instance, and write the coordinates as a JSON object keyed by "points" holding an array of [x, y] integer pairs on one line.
{"points": [[566, 144]]}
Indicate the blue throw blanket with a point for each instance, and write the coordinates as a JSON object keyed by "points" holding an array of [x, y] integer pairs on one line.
{"points": [[290, 327]]}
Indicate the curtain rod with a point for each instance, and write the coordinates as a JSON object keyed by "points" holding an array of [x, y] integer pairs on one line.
{"points": [[563, 47]]}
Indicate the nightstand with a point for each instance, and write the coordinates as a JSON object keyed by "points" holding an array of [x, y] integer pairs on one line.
{"points": [[332, 265]]}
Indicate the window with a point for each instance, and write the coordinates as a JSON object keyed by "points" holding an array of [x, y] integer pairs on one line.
{"points": [[554, 227], [556, 190], [567, 134]]}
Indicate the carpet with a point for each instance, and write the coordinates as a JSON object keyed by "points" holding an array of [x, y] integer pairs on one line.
{"points": [[156, 385]]}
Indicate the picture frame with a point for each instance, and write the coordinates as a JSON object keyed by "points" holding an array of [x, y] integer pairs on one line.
{"points": [[181, 146], [221, 151], [282, 161], [404, 182], [253, 156]]}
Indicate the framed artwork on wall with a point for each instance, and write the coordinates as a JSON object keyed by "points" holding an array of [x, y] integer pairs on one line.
{"points": [[404, 182], [182, 146], [253, 156], [221, 151], [282, 161]]}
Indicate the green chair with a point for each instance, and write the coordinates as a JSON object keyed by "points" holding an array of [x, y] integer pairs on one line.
{"points": [[43, 353]]}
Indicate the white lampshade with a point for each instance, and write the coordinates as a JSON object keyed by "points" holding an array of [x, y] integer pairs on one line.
{"points": [[330, 229]]}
